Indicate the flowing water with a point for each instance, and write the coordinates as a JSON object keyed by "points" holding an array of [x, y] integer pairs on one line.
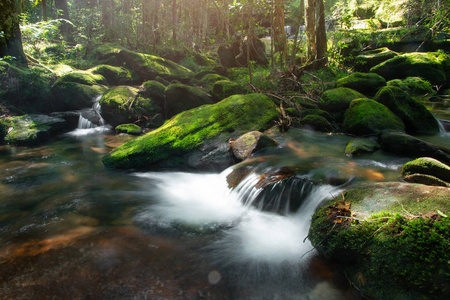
{"points": [[72, 229]]}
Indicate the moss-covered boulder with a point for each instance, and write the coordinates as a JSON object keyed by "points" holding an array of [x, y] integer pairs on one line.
{"points": [[30, 130], [339, 99], [317, 122], [426, 166], [319, 112], [391, 239], [191, 137], [224, 88], [407, 145], [358, 146], [415, 115], [251, 142], [414, 86], [153, 89], [115, 75], [431, 66], [147, 66], [365, 83], [122, 104], [181, 97], [368, 59], [132, 129], [77, 90], [208, 80], [368, 117], [25, 88], [237, 72]]}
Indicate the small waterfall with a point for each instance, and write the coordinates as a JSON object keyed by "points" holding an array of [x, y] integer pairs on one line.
{"points": [[91, 117], [443, 125]]}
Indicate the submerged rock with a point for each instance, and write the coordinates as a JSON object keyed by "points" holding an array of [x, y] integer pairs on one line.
{"points": [[368, 117], [426, 170], [197, 137], [250, 143], [416, 117], [30, 130], [391, 239]]}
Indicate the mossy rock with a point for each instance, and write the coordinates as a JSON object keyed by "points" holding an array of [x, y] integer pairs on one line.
{"points": [[115, 75], [147, 66], [24, 88], [251, 142], [339, 99], [75, 96], [82, 77], [208, 80], [224, 88], [431, 66], [416, 117], [153, 89], [414, 86], [368, 59], [174, 142], [30, 130], [237, 72], [319, 112], [407, 145], [358, 146], [427, 166], [132, 129], [368, 117], [181, 97], [317, 122], [393, 241], [122, 105], [365, 83], [199, 75]]}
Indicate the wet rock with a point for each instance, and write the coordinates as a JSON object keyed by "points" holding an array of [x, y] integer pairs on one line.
{"points": [[30, 130], [413, 171], [360, 146], [416, 117], [191, 134], [251, 142], [406, 145], [180, 97], [365, 83], [368, 117]]}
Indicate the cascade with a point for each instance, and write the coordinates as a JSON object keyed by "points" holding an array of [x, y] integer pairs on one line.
{"points": [[91, 117]]}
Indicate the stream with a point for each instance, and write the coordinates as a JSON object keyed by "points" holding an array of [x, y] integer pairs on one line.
{"points": [[72, 229]]}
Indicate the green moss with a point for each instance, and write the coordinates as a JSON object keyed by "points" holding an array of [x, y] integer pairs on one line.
{"points": [[181, 97], [317, 123], [428, 166], [359, 146], [73, 96], [236, 73], [415, 86], [365, 83], [129, 129], [190, 129], [209, 79], [415, 115], [224, 88], [319, 112], [366, 117], [115, 75], [431, 66], [337, 100], [83, 77], [383, 246]]}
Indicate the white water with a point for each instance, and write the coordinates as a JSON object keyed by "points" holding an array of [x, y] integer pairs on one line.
{"points": [[247, 235]]}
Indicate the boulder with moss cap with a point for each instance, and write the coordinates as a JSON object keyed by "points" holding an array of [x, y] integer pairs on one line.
{"points": [[194, 137], [426, 170], [365, 83]]}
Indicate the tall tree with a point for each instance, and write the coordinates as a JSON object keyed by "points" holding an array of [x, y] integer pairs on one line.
{"points": [[279, 34], [174, 20], [321, 35], [44, 10], [315, 32], [10, 35], [310, 29]]}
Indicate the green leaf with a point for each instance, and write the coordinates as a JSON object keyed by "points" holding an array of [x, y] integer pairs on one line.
{"points": [[442, 214], [35, 3]]}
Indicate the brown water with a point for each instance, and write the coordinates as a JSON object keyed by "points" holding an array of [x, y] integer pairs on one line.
{"points": [[72, 229]]}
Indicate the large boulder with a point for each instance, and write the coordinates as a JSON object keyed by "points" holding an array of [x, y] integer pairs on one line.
{"points": [[365, 83], [181, 97], [416, 117], [368, 59], [358, 146], [414, 86], [406, 145], [317, 122], [224, 88], [191, 137], [30, 130], [123, 104], [208, 80], [338, 100], [147, 66], [391, 239], [368, 117], [153, 89], [426, 170], [431, 66], [251, 142], [115, 75], [77, 90]]}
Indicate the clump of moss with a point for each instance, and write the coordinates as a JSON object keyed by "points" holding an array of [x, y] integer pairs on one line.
{"points": [[208, 80], [115, 75], [428, 166], [359, 146], [132, 129], [82, 77], [368, 59], [415, 86], [365, 83], [224, 88], [318, 123], [181, 97], [339, 99]]}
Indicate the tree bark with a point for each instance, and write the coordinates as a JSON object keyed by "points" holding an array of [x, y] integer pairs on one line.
{"points": [[279, 34], [44, 10], [10, 35], [145, 20], [174, 20], [321, 36], [310, 29]]}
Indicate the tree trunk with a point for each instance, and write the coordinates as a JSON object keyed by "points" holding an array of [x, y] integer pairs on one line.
{"points": [[279, 33], [174, 20], [145, 20], [321, 36], [10, 36], [299, 23], [310, 29], [44, 10], [63, 12]]}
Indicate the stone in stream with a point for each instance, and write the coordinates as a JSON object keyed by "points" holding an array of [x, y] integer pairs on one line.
{"points": [[251, 142], [427, 170]]}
